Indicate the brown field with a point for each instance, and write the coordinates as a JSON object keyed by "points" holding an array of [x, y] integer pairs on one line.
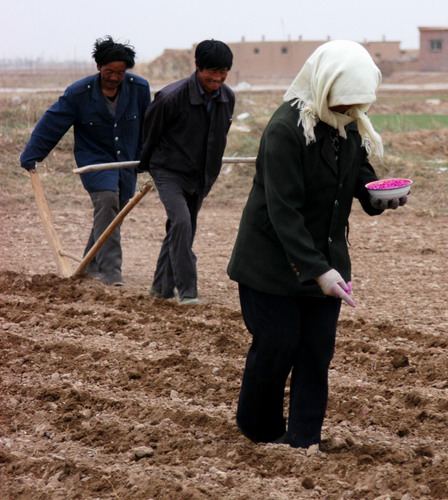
{"points": [[107, 393]]}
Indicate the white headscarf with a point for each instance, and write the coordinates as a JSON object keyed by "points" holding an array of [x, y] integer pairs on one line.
{"points": [[338, 72]]}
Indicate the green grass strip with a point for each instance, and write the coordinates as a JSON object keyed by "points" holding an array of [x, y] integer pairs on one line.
{"points": [[406, 123]]}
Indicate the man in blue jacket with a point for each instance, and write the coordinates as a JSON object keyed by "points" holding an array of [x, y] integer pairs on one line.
{"points": [[106, 111], [185, 133]]}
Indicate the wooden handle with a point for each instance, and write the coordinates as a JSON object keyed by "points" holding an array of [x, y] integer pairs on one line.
{"points": [[133, 164], [110, 228], [106, 166], [63, 266]]}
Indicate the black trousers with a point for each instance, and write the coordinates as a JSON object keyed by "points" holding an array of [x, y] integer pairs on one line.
{"points": [[291, 336], [176, 264]]}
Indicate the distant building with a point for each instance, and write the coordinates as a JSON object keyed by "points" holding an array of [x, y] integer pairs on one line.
{"points": [[433, 49], [269, 61], [278, 62]]}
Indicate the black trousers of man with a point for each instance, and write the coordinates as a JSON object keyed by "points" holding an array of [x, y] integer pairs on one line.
{"points": [[176, 264], [291, 336]]}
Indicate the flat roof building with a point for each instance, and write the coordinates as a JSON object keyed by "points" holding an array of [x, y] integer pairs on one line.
{"points": [[433, 49]]}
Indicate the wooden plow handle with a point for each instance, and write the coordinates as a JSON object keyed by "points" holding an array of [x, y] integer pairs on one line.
{"points": [[111, 227], [133, 164], [63, 266]]}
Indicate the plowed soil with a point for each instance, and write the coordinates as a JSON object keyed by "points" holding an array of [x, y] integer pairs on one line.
{"points": [[108, 393]]}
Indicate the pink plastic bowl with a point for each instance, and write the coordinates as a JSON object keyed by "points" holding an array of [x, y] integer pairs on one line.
{"points": [[387, 189]]}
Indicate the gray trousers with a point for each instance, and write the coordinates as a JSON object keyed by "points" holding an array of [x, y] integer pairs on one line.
{"points": [[106, 265], [176, 265]]}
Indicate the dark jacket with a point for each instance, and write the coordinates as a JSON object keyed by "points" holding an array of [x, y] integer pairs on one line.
{"points": [[182, 139], [294, 225], [99, 137]]}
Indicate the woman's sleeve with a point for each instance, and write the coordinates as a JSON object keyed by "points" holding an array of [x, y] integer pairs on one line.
{"points": [[285, 196]]}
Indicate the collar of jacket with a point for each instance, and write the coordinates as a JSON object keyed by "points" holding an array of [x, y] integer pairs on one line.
{"points": [[341, 166], [195, 94], [123, 98]]}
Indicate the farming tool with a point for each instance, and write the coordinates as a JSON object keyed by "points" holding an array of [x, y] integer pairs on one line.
{"points": [[134, 164], [110, 228], [63, 266], [59, 255]]}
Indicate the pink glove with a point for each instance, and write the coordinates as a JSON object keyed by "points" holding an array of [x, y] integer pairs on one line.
{"points": [[331, 283]]}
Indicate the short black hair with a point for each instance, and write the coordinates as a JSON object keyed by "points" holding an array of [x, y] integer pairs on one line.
{"points": [[213, 54], [105, 51]]}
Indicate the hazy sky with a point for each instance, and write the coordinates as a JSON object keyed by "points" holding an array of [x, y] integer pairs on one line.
{"points": [[66, 29]]}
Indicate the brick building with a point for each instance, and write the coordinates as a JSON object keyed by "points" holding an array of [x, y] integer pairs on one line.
{"points": [[278, 62], [433, 49]]}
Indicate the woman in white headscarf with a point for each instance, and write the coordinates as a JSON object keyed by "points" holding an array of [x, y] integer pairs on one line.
{"points": [[291, 258]]}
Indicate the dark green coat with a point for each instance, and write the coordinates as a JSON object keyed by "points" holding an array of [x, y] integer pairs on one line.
{"points": [[295, 222]]}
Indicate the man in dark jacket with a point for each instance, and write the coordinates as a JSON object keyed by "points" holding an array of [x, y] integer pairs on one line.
{"points": [[106, 111], [185, 133]]}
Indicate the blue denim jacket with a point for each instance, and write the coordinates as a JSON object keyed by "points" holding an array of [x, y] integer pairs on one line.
{"points": [[99, 136]]}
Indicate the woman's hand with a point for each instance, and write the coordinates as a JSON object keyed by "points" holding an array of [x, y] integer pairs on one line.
{"points": [[385, 204], [332, 283]]}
